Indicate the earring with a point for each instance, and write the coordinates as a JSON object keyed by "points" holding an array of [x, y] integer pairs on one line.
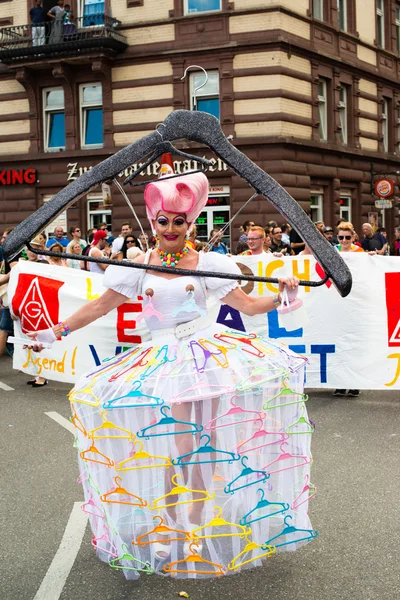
{"points": [[148, 308], [190, 304]]}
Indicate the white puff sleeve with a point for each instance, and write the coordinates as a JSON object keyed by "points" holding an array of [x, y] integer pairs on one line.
{"points": [[218, 263], [123, 280]]}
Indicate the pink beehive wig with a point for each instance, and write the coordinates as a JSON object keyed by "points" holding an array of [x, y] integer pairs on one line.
{"points": [[185, 195]]}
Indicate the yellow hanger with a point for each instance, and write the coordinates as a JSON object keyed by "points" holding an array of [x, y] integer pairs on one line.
{"points": [[181, 489], [107, 461], [108, 425], [85, 390], [140, 455], [218, 521], [194, 558], [162, 530], [249, 548], [123, 492]]}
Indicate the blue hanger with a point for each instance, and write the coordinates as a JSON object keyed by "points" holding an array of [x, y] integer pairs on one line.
{"points": [[134, 393], [246, 471], [286, 531], [165, 420], [151, 369], [206, 449], [263, 503]]}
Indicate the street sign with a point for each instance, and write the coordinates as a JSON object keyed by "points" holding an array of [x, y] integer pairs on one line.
{"points": [[383, 203]]}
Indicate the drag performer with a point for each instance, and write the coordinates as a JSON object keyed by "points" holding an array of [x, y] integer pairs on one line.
{"points": [[194, 447]]}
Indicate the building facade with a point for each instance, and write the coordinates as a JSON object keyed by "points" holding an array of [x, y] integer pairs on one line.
{"points": [[309, 90]]}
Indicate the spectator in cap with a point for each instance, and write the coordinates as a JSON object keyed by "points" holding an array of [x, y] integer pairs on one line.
{"points": [[327, 232], [96, 251]]}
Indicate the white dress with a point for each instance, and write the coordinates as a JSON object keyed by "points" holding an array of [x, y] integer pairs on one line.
{"points": [[194, 453]]}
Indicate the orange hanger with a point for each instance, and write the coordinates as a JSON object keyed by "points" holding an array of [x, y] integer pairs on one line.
{"points": [[77, 423], [162, 529], [181, 489], [127, 435], [107, 461], [122, 492], [194, 559], [140, 455]]}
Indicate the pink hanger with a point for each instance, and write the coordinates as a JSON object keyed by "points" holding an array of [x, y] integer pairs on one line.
{"points": [[235, 410], [104, 538], [148, 308], [262, 433], [91, 503], [138, 363], [286, 456], [218, 390], [309, 490]]}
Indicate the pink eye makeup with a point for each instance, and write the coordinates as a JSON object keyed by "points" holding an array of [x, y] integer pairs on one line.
{"points": [[178, 221]]}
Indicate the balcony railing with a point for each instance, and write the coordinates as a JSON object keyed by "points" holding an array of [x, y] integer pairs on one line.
{"points": [[88, 34]]}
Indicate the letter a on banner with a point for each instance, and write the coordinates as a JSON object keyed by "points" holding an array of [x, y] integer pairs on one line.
{"points": [[392, 281]]}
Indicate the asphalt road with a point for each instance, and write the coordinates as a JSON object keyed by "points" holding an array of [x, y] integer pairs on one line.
{"points": [[356, 451]]}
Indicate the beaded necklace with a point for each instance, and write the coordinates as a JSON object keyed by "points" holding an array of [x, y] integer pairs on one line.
{"points": [[169, 259]]}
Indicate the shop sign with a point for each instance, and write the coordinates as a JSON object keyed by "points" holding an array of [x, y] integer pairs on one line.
{"points": [[383, 203], [14, 177], [384, 188], [181, 166]]}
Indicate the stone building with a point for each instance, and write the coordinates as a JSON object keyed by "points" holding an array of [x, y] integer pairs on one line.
{"points": [[309, 90]]}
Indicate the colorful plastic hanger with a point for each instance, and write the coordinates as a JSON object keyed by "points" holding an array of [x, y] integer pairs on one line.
{"points": [[233, 411], [100, 433], [309, 490], [250, 547], [88, 391], [134, 393], [141, 361], [301, 426], [247, 342], [131, 517], [181, 489], [263, 503], [120, 491], [77, 423], [107, 460], [104, 538], [205, 450], [194, 559], [258, 475], [177, 535], [288, 530], [148, 309], [127, 556], [218, 521], [158, 362], [278, 438], [91, 508], [261, 375], [125, 465], [221, 351], [284, 393], [166, 420], [189, 305], [305, 460]]}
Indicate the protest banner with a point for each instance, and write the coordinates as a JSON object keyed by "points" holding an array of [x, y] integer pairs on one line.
{"points": [[351, 342]]}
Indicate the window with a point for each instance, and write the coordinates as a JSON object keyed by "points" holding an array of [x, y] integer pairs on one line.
{"points": [[317, 205], [54, 119], [318, 9], [345, 207], [205, 99], [343, 113], [92, 11], [91, 108], [398, 29], [196, 6], [380, 23], [385, 126], [322, 110], [97, 212], [342, 14]]}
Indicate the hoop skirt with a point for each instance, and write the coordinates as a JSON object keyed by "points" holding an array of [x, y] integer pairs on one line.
{"points": [[194, 453]]}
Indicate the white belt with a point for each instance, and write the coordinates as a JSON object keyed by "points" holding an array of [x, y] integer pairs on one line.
{"points": [[184, 329]]}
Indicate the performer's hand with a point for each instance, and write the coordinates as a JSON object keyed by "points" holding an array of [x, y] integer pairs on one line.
{"points": [[292, 286], [46, 336]]}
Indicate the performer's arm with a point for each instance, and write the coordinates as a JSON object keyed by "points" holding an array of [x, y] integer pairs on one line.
{"points": [[251, 305], [82, 317]]}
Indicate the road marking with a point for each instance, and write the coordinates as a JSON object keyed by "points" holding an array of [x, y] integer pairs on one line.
{"points": [[61, 421], [63, 561], [6, 387]]}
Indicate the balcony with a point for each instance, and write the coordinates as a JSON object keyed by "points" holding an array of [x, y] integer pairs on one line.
{"points": [[44, 41]]}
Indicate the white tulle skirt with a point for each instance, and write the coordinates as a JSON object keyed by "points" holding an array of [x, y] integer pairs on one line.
{"points": [[195, 455]]}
